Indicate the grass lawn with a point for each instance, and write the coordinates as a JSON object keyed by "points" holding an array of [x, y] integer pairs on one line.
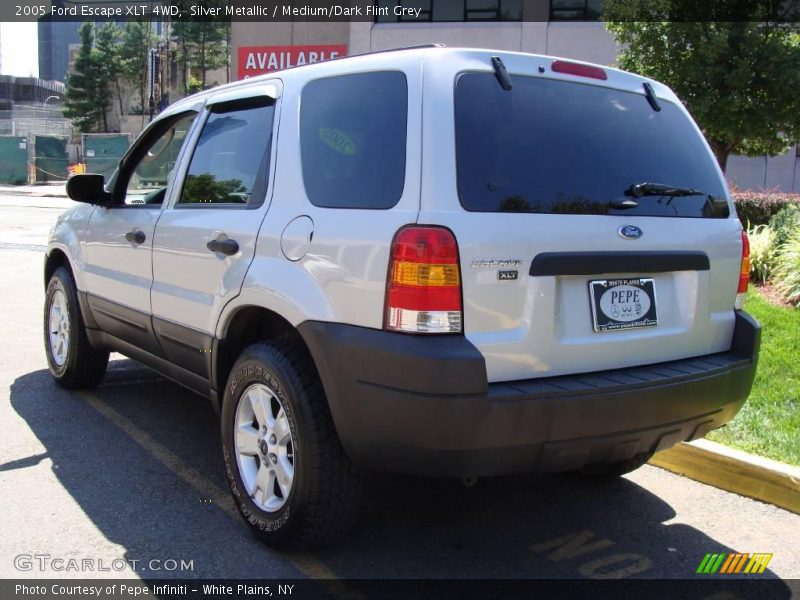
{"points": [[769, 422]]}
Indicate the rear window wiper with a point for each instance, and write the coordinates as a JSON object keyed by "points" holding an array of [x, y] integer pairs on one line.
{"points": [[638, 190]]}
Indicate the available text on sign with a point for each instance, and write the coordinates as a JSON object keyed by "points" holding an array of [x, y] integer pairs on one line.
{"points": [[256, 60]]}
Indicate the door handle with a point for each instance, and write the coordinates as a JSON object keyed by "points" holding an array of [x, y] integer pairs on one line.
{"points": [[228, 247], [135, 237]]}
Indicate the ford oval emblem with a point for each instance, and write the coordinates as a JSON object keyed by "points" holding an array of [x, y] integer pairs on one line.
{"points": [[630, 232]]}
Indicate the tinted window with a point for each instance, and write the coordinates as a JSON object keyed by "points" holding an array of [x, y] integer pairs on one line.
{"points": [[154, 172], [353, 139], [559, 147], [229, 164]]}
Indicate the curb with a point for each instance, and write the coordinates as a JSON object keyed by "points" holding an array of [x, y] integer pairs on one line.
{"points": [[734, 471]]}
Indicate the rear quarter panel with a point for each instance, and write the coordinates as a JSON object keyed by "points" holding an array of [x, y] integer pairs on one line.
{"points": [[342, 275]]}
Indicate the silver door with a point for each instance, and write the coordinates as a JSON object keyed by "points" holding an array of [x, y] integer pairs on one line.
{"points": [[205, 239], [118, 271]]}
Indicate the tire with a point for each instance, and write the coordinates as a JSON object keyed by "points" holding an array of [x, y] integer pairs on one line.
{"points": [[612, 470], [72, 360], [321, 500]]}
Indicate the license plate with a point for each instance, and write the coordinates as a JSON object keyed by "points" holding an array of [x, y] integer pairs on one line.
{"points": [[623, 304]]}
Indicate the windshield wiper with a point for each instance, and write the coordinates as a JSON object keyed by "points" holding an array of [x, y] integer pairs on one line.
{"points": [[638, 190]]}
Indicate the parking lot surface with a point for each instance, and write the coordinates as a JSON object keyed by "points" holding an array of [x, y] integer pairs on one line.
{"points": [[132, 471]]}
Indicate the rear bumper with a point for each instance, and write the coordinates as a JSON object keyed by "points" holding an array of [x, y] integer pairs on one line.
{"points": [[423, 405]]}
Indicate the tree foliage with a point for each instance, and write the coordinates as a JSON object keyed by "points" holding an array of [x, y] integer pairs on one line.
{"points": [[202, 44], [108, 46], [739, 79], [135, 51], [87, 91]]}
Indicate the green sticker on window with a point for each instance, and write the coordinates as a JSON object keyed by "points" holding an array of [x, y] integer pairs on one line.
{"points": [[337, 140]]}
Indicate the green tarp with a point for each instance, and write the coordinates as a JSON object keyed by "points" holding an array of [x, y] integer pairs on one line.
{"points": [[50, 158], [13, 159], [102, 153]]}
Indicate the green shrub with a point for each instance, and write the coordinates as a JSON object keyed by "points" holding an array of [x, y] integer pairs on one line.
{"points": [[762, 253], [787, 269], [757, 208], [782, 223]]}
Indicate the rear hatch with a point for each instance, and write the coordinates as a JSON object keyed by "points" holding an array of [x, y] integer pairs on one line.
{"points": [[569, 264]]}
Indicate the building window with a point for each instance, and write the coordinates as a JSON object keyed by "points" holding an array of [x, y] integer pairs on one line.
{"points": [[394, 11], [576, 10]]}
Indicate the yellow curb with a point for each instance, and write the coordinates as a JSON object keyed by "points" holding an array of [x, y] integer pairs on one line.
{"points": [[734, 471]]}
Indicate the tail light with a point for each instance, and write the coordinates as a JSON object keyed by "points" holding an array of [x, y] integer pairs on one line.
{"points": [[744, 272], [423, 288]]}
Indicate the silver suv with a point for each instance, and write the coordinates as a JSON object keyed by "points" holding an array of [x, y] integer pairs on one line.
{"points": [[436, 261]]}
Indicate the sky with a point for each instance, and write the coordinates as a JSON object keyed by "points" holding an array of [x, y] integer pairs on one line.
{"points": [[19, 48]]}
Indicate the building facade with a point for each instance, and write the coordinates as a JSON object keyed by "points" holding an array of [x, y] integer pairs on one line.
{"points": [[54, 41], [565, 28]]}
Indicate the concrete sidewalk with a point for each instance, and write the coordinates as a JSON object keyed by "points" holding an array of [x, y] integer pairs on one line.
{"points": [[43, 190]]}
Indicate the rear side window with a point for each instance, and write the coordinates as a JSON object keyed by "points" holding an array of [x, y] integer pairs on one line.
{"points": [[551, 146], [229, 164], [353, 140]]}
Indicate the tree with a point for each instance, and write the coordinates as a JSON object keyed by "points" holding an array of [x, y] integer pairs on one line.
{"points": [[739, 79], [136, 42], [202, 44], [108, 46], [87, 93]]}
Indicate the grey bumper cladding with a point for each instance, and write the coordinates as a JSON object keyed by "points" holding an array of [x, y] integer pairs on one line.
{"points": [[422, 405]]}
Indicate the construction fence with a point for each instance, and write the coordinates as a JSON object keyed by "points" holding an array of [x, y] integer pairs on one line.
{"points": [[46, 158], [103, 151]]}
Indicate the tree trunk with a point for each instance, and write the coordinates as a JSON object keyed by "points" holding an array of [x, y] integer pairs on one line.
{"points": [[142, 90], [184, 67], [722, 159], [203, 59], [721, 151], [119, 98]]}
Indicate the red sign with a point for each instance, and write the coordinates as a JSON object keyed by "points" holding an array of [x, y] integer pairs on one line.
{"points": [[257, 60]]}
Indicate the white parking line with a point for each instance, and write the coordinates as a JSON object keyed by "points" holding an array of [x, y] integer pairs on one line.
{"points": [[308, 565]]}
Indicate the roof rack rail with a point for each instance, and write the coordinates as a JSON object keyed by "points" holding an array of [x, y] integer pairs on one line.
{"points": [[348, 56], [401, 49], [234, 84]]}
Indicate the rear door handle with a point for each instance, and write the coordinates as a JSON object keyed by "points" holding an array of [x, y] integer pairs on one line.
{"points": [[136, 237], [228, 247]]}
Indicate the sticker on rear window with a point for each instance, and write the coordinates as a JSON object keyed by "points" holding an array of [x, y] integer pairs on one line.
{"points": [[337, 140]]}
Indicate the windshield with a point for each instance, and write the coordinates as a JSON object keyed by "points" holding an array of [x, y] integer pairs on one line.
{"points": [[551, 146]]}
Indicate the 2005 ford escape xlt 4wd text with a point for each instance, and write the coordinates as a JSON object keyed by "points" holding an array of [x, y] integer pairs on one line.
{"points": [[435, 261]]}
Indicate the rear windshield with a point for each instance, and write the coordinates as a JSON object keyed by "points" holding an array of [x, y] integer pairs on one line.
{"points": [[551, 146]]}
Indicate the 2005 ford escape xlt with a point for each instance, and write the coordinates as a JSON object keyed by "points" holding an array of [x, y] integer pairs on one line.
{"points": [[436, 261]]}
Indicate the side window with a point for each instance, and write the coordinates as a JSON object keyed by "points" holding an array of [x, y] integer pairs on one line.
{"points": [[230, 161], [353, 139], [156, 168]]}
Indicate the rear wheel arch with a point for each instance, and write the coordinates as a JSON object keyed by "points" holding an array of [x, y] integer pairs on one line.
{"points": [[245, 326]]}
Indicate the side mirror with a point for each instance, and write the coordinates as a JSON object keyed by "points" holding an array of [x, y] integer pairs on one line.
{"points": [[89, 188]]}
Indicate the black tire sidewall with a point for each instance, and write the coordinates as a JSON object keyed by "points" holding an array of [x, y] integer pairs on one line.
{"points": [[259, 367], [62, 281]]}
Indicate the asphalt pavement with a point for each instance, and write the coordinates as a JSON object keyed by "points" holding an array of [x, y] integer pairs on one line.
{"points": [[129, 477]]}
